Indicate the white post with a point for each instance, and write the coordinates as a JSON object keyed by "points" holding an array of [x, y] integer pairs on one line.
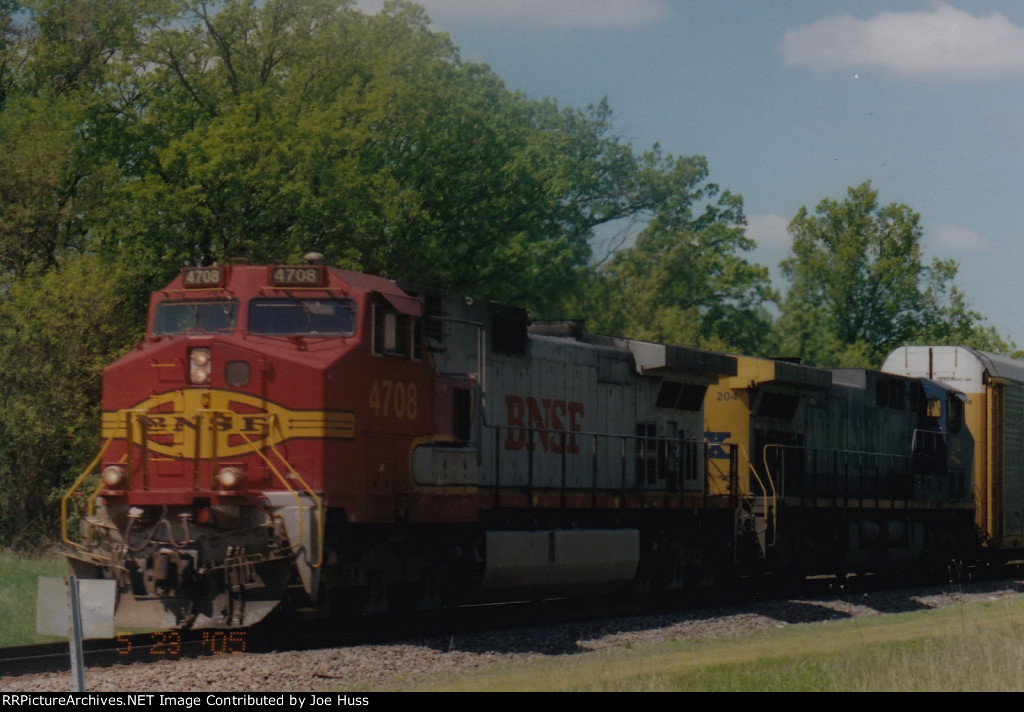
{"points": [[75, 636]]}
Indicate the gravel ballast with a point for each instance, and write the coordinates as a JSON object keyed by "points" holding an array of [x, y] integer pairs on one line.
{"points": [[374, 667]]}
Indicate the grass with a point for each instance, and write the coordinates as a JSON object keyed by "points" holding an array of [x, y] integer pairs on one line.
{"points": [[18, 586], [967, 647]]}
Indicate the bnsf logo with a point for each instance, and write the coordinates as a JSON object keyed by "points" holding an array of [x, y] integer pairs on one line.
{"points": [[203, 423], [544, 415], [219, 422]]}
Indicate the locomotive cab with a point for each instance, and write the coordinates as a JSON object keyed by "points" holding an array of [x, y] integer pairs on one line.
{"points": [[942, 447]]}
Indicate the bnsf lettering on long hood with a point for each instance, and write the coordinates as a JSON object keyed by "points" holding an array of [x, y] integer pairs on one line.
{"points": [[527, 415]]}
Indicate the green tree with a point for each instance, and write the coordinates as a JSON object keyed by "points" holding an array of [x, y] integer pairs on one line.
{"points": [[12, 35], [74, 43], [59, 62], [63, 313], [860, 286], [58, 329], [685, 279], [40, 183], [270, 129]]}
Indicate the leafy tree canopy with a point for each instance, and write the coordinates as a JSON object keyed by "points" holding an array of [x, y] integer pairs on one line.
{"points": [[58, 328], [860, 286], [265, 130], [685, 279]]}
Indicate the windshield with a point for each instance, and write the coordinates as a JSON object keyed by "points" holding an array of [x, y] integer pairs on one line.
{"points": [[204, 316], [314, 317]]}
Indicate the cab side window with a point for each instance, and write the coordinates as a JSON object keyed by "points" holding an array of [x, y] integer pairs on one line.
{"points": [[396, 334]]}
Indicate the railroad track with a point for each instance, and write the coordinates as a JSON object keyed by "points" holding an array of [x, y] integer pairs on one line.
{"points": [[123, 649], [290, 634]]}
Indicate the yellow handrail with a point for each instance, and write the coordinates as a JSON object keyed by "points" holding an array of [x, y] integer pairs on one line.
{"points": [[771, 487], [131, 414], [284, 481], [73, 489]]}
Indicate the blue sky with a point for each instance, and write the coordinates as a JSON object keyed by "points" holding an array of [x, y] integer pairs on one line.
{"points": [[793, 101]]}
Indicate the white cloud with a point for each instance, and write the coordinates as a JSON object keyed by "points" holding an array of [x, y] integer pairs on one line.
{"points": [[542, 13], [953, 238], [769, 231], [936, 44]]}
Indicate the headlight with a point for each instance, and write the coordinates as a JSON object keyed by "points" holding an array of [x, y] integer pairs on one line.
{"points": [[199, 368], [112, 476], [229, 478]]}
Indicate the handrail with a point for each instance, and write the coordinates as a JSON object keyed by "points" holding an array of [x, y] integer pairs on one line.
{"points": [[284, 481], [767, 471], [892, 456], [559, 437], [774, 493], [843, 451], [714, 468], [132, 415], [74, 488]]}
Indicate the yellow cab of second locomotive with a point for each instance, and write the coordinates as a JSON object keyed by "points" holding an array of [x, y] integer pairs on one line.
{"points": [[763, 404]]}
